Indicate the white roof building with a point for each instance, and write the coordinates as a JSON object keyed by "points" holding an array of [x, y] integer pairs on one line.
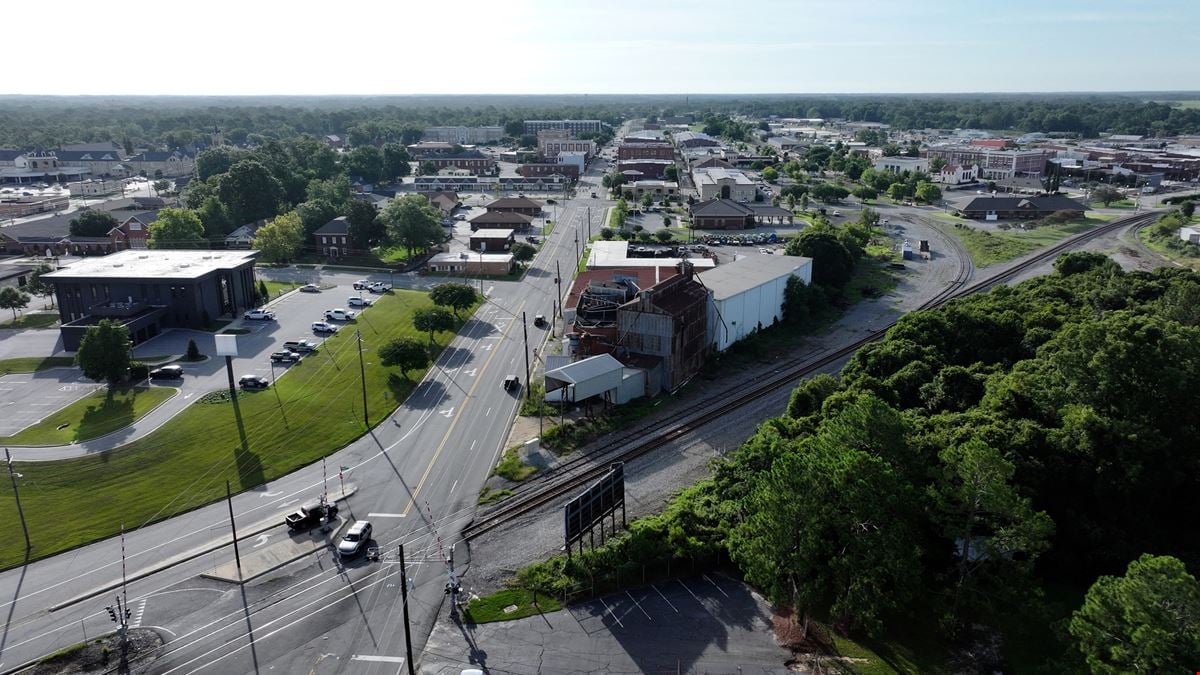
{"points": [[747, 294], [601, 376], [616, 254]]}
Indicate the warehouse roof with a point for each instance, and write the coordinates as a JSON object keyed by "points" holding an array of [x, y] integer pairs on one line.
{"points": [[750, 271]]}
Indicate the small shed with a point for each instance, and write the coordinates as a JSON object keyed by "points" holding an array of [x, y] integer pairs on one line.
{"points": [[602, 377], [492, 240]]}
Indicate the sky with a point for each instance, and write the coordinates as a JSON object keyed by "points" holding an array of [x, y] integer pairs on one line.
{"points": [[370, 47]]}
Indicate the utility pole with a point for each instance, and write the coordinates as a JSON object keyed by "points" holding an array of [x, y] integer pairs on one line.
{"points": [[525, 330], [362, 373], [404, 602], [233, 527], [577, 248], [557, 281], [17, 495]]}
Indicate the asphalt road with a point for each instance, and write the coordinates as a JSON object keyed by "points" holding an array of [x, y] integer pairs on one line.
{"points": [[417, 476]]}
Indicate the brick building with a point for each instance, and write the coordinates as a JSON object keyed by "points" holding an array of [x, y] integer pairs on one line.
{"points": [[645, 151]]}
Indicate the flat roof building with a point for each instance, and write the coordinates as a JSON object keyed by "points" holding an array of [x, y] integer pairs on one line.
{"points": [[150, 291], [574, 126]]}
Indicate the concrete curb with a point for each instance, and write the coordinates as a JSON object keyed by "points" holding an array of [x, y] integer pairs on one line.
{"points": [[258, 528], [302, 549]]}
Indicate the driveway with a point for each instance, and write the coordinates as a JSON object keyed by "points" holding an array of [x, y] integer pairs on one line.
{"points": [[705, 624]]}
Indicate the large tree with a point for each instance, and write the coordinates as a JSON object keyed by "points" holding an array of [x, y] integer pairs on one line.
{"points": [[218, 160], [523, 252], [177, 228], [11, 298], [395, 161], [104, 352], [996, 533], [432, 320], [280, 240], [833, 263], [831, 524], [1107, 194], [455, 295], [927, 192], [365, 227], [215, 218], [364, 161], [92, 223], [1147, 621], [412, 222], [404, 352], [39, 286], [249, 192]]}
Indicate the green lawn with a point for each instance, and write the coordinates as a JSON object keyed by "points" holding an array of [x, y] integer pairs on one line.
{"points": [[184, 464], [1120, 204], [32, 364], [94, 415], [512, 467], [278, 288], [43, 320], [491, 607], [1160, 247], [393, 254], [988, 248], [547, 228]]}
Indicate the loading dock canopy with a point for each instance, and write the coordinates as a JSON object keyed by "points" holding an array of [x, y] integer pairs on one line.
{"points": [[587, 378]]}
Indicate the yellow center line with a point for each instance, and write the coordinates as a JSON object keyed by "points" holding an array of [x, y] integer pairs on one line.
{"points": [[479, 378]]}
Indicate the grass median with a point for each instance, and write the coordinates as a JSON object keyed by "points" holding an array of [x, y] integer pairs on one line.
{"points": [[315, 409], [33, 364], [99, 413], [40, 320]]}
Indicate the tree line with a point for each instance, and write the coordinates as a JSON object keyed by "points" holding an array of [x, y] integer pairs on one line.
{"points": [[1035, 436]]}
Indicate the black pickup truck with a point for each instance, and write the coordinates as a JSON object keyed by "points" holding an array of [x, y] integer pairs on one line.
{"points": [[310, 515]]}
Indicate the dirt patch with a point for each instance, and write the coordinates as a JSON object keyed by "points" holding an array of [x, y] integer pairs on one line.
{"points": [[100, 655]]}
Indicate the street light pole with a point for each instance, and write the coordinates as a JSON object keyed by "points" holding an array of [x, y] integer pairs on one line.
{"points": [[17, 495], [525, 330]]}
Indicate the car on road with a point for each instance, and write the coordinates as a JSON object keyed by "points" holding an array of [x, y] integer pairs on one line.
{"points": [[167, 373], [539, 320], [300, 346], [355, 301], [361, 284], [460, 216], [284, 356], [512, 382], [339, 314], [310, 288], [310, 515], [836, 213], [323, 327], [355, 538], [259, 315], [253, 382]]}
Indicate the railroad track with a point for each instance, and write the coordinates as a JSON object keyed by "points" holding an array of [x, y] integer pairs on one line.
{"points": [[569, 476]]}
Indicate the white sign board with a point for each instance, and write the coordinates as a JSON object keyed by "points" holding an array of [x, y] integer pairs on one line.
{"points": [[226, 345]]}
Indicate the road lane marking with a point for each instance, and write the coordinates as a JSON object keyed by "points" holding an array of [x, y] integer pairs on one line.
{"points": [[611, 612], [715, 584], [446, 438], [385, 515], [379, 659]]}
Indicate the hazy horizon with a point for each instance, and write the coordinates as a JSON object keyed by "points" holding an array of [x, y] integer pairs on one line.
{"points": [[535, 47]]}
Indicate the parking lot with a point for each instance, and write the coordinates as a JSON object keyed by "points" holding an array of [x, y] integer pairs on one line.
{"points": [[26, 398], [704, 624]]}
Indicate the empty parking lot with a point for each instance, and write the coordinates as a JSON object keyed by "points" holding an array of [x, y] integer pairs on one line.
{"points": [[705, 624], [25, 398]]}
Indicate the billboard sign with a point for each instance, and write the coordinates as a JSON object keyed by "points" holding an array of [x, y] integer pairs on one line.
{"points": [[599, 501]]}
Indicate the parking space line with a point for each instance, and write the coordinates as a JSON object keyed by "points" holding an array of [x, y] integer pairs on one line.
{"points": [[698, 600], [660, 594], [639, 605], [715, 584], [611, 613]]}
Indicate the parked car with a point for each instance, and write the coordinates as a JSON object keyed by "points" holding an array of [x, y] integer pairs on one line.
{"points": [[284, 356], [310, 515], [380, 287], [259, 315], [310, 288], [355, 301], [300, 346], [167, 373], [460, 216], [355, 538], [361, 284], [323, 327], [253, 382], [339, 314]]}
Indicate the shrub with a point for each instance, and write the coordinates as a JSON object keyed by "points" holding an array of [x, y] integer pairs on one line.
{"points": [[193, 352]]}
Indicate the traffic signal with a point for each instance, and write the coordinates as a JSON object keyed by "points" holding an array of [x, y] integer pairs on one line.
{"points": [[112, 613]]}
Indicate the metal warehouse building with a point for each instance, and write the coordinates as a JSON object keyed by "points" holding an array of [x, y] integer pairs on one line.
{"points": [[747, 294]]}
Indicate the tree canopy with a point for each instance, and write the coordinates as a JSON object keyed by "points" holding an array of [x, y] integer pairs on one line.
{"points": [[176, 228], [412, 222], [103, 353], [92, 223], [281, 239]]}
